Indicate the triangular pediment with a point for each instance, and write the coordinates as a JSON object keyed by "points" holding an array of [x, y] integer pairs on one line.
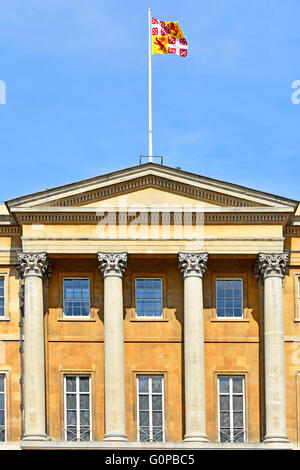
{"points": [[149, 184]]}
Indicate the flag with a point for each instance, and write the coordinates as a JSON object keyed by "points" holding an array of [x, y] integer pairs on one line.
{"points": [[167, 38]]}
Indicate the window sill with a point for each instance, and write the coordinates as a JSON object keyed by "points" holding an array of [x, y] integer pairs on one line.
{"points": [[230, 319], [150, 319], [4, 319], [76, 319]]}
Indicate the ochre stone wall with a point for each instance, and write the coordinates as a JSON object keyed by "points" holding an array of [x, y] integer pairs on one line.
{"points": [[154, 346]]}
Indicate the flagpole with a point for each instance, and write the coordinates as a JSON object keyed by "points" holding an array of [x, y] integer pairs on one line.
{"points": [[150, 81]]}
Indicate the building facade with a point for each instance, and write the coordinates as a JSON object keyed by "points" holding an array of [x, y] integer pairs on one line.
{"points": [[150, 308]]}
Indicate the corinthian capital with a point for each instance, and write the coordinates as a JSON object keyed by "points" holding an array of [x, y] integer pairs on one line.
{"points": [[112, 264], [270, 264], [192, 264], [33, 264]]}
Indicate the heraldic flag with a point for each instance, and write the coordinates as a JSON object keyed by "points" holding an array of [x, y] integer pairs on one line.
{"points": [[167, 38]]}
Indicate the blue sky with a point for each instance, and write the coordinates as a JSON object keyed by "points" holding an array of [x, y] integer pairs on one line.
{"points": [[76, 76]]}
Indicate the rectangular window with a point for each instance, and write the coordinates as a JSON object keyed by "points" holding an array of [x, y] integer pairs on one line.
{"points": [[150, 408], [231, 396], [76, 297], [2, 408], [77, 398], [2, 297], [148, 297], [229, 298], [298, 297]]}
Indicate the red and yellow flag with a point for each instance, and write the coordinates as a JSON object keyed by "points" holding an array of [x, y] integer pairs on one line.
{"points": [[167, 38]]}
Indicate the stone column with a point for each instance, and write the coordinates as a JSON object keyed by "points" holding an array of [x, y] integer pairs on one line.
{"points": [[271, 267], [33, 267], [193, 266], [113, 266]]}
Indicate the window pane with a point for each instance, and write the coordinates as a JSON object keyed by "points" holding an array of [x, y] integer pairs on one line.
{"points": [[144, 402], [84, 401], [157, 402], [71, 417], [224, 403], [239, 436], [84, 384], [238, 420], [68, 309], [238, 403], [85, 309], [224, 419], [157, 418], [71, 384], [2, 378], [71, 433], [144, 434], [237, 385], [143, 384], [144, 418], [85, 434], [157, 434], [224, 384], [71, 401], [76, 308], [225, 435], [84, 418], [156, 384]]}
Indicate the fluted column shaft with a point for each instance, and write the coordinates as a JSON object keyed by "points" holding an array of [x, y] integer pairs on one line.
{"points": [[192, 266], [112, 266], [33, 267], [272, 269]]}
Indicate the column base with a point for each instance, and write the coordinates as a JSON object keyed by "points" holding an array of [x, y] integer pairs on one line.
{"points": [[115, 437], [36, 437], [195, 438], [271, 439]]}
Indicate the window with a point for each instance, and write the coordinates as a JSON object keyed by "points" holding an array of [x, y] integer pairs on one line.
{"points": [[2, 408], [76, 297], [229, 298], [231, 409], [148, 297], [298, 297], [150, 408], [2, 307], [77, 407]]}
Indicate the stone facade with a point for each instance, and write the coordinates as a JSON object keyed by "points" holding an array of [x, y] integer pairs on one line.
{"points": [[150, 222]]}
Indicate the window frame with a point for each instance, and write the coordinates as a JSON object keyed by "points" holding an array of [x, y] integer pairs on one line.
{"points": [[3, 374], [3, 296], [150, 394], [232, 317], [297, 297], [148, 317], [231, 394], [70, 317], [77, 393], [6, 275]]}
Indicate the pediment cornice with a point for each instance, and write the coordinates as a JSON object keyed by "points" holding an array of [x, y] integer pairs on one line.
{"points": [[198, 188]]}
